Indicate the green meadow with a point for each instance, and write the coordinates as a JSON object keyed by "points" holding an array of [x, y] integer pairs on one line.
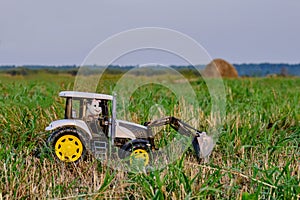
{"points": [[256, 157]]}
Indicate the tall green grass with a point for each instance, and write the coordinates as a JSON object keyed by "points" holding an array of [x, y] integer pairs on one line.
{"points": [[256, 156]]}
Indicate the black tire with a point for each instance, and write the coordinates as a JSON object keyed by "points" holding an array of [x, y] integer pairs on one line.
{"points": [[67, 145], [133, 152]]}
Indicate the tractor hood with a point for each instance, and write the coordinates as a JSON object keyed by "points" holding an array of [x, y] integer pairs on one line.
{"points": [[130, 130]]}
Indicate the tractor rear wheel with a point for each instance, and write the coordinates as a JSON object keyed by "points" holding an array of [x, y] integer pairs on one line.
{"points": [[67, 146]]}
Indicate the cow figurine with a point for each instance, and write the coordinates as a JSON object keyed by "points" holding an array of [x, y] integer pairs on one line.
{"points": [[93, 110]]}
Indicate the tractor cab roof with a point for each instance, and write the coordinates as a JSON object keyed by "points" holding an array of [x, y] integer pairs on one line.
{"points": [[87, 95]]}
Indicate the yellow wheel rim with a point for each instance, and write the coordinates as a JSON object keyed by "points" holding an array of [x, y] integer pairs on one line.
{"points": [[139, 155], [68, 148]]}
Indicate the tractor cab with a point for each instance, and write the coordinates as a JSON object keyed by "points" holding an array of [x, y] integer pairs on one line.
{"points": [[93, 109]]}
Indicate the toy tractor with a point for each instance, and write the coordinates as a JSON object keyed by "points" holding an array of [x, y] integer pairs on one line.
{"points": [[90, 125]]}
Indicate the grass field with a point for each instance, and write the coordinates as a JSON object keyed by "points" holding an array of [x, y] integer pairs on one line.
{"points": [[256, 156]]}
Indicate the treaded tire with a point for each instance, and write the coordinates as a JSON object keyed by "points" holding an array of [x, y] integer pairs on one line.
{"points": [[141, 150], [67, 145]]}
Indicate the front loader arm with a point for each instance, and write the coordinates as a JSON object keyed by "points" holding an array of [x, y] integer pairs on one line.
{"points": [[202, 143], [178, 125]]}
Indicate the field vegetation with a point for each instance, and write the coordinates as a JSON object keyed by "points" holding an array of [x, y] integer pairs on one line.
{"points": [[256, 156]]}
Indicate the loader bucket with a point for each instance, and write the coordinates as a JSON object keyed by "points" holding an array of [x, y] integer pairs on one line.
{"points": [[203, 145]]}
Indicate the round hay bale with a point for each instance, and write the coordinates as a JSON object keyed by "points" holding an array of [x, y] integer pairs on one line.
{"points": [[220, 66]]}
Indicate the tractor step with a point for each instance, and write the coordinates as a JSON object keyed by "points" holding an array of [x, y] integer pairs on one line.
{"points": [[99, 146]]}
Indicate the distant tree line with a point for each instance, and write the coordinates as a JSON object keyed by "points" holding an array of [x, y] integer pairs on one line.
{"points": [[265, 69], [90, 70], [245, 69]]}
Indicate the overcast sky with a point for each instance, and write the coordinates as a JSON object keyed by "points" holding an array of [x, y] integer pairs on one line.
{"points": [[65, 31]]}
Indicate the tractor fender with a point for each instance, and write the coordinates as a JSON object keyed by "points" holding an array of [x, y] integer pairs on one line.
{"points": [[78, 127], [128, 145], [70, 123], [83, 136]]}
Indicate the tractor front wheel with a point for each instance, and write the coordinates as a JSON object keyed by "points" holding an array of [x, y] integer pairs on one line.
{"points": [[138, 154]]}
